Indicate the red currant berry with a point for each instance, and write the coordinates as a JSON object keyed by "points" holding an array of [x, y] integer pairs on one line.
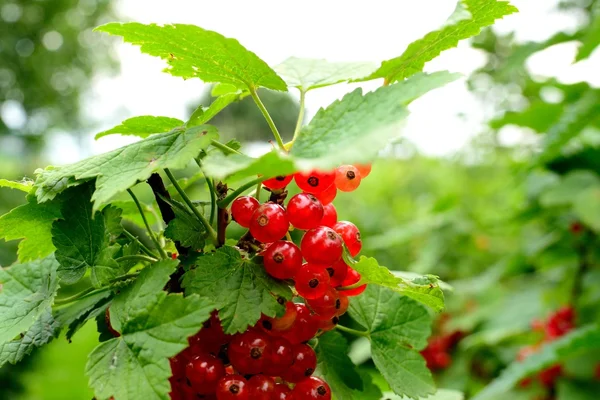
{"points": [[203, 372], [352, 278], [261, 387], [312, 281], [347, 178], [327, 195], [304, 211], [344, 304], [304, 328], [329, 216], [312, 388], [305, 362], [281, 357], [178, 365], [281, 324], [269, 223], [249, 351], [242, 209], [282, 392], [321, 245], [279, 182], [282, 259], [328, 324], [337, 272], [363, 169], [211, 337], [232, 387], [351, 236], [314, 181], [326, 306]]}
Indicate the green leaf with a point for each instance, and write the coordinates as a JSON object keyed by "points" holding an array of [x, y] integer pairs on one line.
{"points": [[204, 114], [568, 188], [483, 13], [143, 126], [423, 289], [577, 390], [120, 169], [193, 52], [31, 222], [398, 328], [239, 166], [539, 116], [82, 240], [587, 207], [441, 394], [579, 341], [309, 73], [154, 326], [591, 39], [186, 229], [24, 185], [241, 288], [75, 315], [27, 291]]}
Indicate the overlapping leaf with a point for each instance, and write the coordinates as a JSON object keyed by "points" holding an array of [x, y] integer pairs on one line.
{"points": [[24, 186], [75, 315], [143, 126]]}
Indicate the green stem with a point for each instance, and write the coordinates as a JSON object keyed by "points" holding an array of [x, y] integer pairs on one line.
{"points": [[186, 199], [79, 295], [233, 195], [267, 116], [211, 189], [352, 331], [224, 147], [142, 245], [136, 257], [124, 277], [300, 119], [258, 187], [150, 231]]}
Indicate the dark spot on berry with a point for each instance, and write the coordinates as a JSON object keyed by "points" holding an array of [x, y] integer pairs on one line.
{"points": [[330, 271], [281, 300], [358, 236], [223, 354], [235, 389], [350, 175], [278, 258], [338, 304], [313, 283], [263, 220], [280, 178], [335, 320], [313, 198], [267, 325], [207, 324], [313, 181], [322, 390], [256, 353], [308, 372], [331, 235]]}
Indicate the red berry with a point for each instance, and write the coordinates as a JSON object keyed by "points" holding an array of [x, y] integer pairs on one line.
{"points": [[314, 181], [280, 358], [337, 272], [363, 169], [329, 216], [352, 278], [328, 324], [321, 246], [261, 387], [249, 351], [347, 178], [211, 337], [269, 223], [305, 362], [232, 387], [351, 236], [326, 306], [312, 281], [203, 372], [304, 211], [549, 376], [344, 304], [242, 209], [304, 328], [282, 392], [280, 324], [327, 195], [312, 388], [178, 365], [282, 259], [279, 182], [561, 322]]}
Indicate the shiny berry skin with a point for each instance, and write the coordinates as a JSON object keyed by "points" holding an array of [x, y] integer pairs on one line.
{"points": [[242, 209], [322, 246], [211, 337], [327, 195], [312, 388], [282, 259], [261, 387], [352, 278], [233, 387], [282, 392], [204, 371], [281, 324], [326, 306], [280, 358], [363, 169], [337, 273], [351, 236], [329, 216], [344, 304], [248, 352], [312, 281], [347, 178], [328, 324], [269, 223], [279, 182], [304, 211], [304, 328], [305, 363], [314, 181]]}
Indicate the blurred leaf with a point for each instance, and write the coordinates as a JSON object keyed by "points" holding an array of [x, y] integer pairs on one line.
{"points": [[565, 191], [143, 126], [587, 206], [539, 116], [24, 186], [567, 390], [441, 394], [591, 38]]}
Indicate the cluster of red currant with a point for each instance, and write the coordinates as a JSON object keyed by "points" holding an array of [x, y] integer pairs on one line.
{"points": [[437, 353]]}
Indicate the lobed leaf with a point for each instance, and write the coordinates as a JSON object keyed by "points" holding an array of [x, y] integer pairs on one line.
{"points": [[204, 114], [75, 315], [143, 126]]}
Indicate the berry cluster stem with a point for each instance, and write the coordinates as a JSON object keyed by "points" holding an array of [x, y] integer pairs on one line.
{"points": [[352, 331]]}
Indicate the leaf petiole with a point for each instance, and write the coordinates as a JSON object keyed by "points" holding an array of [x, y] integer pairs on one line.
{"points": [[267, 116], [80, 295], [150, 231], [211, 189], [142, 245], [232, 196], [137, 257], [352, 331], [289, 145], [224, 147]]}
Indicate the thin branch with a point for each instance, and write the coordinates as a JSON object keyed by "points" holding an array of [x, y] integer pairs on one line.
{"points": [[137, 257], [300, 120], [150, 231], [211, 189], [142, 245], [223, 147]]}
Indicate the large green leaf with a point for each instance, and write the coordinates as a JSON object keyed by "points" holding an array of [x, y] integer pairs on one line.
{"points": [[154, 326], [186, 229], [31, 222], [193, 52], [143, 126], [398, 327], [240, 288], [120, 169], [204, 114]]}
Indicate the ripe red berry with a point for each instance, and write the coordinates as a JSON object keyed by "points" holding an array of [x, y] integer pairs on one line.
{"points": [[352, 278], [261, 387], [280, 358], [282, 259], [304, 328], [344, 304], [232, 387], [312, 388], [242, 209], [363, 169], [351, 236], [304, 211], [326, 306], [347, 178], [279, 182], [312, 281], [561, 322], [249, 351], [305, 363], [204, 371], [337, 273], [327, 195], [281, 324], [211, 337], [282, 392], [322, 246], [269, 223], [329, 216], [328, 324], [314, 181]]}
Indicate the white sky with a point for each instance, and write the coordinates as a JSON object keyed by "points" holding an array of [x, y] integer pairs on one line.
{"points": [[332, 29]]}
